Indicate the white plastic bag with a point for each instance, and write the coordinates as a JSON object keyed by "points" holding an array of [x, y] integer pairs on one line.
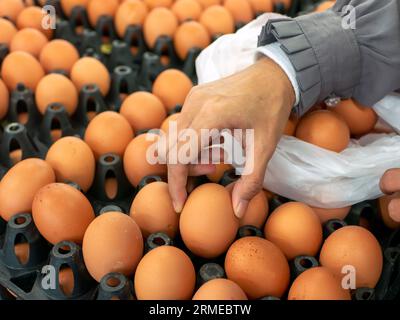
{"points": [[299, 170]]}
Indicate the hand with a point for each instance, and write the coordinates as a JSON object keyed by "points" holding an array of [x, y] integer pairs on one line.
{"points": [[390, 183], [260, 98]]}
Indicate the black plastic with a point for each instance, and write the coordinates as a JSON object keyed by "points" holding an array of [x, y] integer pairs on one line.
{"points": [[3, 52], [189, 66], [115, 286], [105, 27], [271, 298], [156, 240], [361, 210], [275, 202], [210, 271], [302, 263], [150, 68], [110, 208], [78, 17], [164, 46], [147, 180], [56, 4], [364, 294], [229, 177], [64, 31], [249, 231], [388, 287], [123, 82], [332, 225], [177, 109], [90, 40], [121, 55]]}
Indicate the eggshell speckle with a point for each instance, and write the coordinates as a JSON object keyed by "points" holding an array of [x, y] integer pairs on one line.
{"points": [[220, 289]]}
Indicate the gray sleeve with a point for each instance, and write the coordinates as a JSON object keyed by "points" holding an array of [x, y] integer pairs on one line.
{"points": [[333, 57]]}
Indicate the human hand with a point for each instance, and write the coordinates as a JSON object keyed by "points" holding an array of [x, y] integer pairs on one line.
{"points": [[260, 98], [390, 184]]}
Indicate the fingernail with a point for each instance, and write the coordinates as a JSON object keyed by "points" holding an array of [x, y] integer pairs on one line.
{"points": [[394, 210], [240, 209], [177, 207]]}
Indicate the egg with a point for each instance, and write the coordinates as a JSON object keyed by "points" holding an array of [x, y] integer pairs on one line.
{"points": [[143, 110], [383, 204], [165, 273], [240, 9], [208, 233], [217, 20], [22, 181], [220, 289], [130, 12], [166, 123], [295, 229], [258, 267], [58, 55], [324, 129], [8, 31], [357, 247], [330, 214], [172, 86], [21, 251], [220, 169], [136, 164], [56, 88], [88, 71], [260, 6], [318, 284], [159, 22], [256, 212], [208, 3], [14, 70], [111, 187], [32, 17], [99, 8], [190, 34], [187, 10], [158, 3], [108, 132], [72, 160], [11, 9], [66, 281], [68, 5], [291, 125], [324, 6], [61, 213], [4, 99], [112, 243], [29, 40], [360, 120]]}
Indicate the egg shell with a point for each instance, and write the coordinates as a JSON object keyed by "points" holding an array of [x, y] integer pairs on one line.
{"points": [[383, 204], [258, 267], [330, 214], [98, 8], [261, 6], [357, 247], [108, 132], [166, 123], [189, 35], [111, 187], [240, 9], [220, 289], [130, 12], [22, 189], [72, 160], [4, 99], [360, 120], [172, 86], [187, 10], [58, 55], [295, 229], [8, 31], [136, 165], [14, 70], [29, 40], [165, 273], [32, 17], [159, 22], [208, 233], [217, 20], [21, 251], [318, 284], [324, 129], [220, 169], [153, 211], [208, 3], [143, 110], [324, 6], [291, 125], [88, 71], [68, 5], [256, 212], [66, 281], [11, 9], [56, 88], [158, 3]]}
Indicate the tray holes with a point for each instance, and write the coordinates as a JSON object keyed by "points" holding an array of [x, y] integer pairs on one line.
{"points": [[64, 250], [111, 183], [306, 263], [66, 280], [366, 295], [25, 282], [55, 127], [21, 245], [134, 44], [106, 33], [15, 152], [22, 111], [91, 108], [113, 282]]}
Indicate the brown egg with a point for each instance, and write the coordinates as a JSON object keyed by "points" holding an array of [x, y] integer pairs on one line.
{"points": [[324, 129], [208, 233], [111, 187], [208, 3], [108, 132], [32, 17], [268, 194], [166, 123], [291, 125], [190, 34], [66, 281], [187, 10], [159, 22], [72, 160], [165, 273], [11, 9], [56, 88], [383, 203], [360, 120], [220, 289], [14, 70], [258, 267], [172, 86], [257, 212], [131, 12], [143, 110], [260, 6], [158, 3], [22, 182], [4, 99], [112, 243], [324, 6], [220, 169], [136, 164], [295, 229], [89, 70], [240, 9], [21, 251], [217, 20], [29, 40], [68, 5], [357, 247], [329, 214], [8, 31], [98, 8], [58, 55], [61, 213], [153, 211], [318, 284]]}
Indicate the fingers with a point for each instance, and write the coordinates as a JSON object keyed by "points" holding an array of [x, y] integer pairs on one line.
{"points": [[201, 169], [390, 181], [394, 209]]}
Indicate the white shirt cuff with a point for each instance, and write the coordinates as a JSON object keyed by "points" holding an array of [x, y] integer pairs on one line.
{"points": [[275, 53]]}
